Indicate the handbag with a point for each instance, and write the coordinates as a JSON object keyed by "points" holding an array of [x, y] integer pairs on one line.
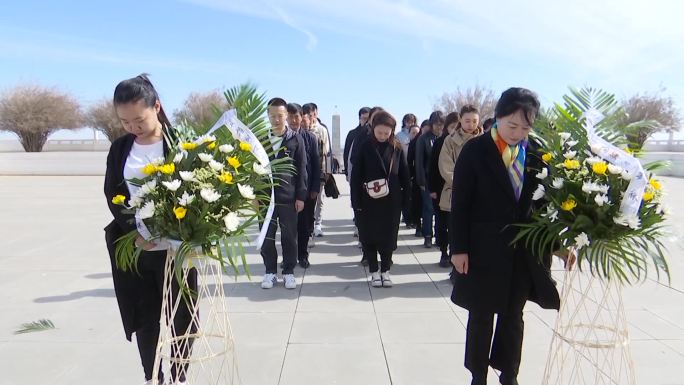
{"points": [[379, 188], [331, 189]]}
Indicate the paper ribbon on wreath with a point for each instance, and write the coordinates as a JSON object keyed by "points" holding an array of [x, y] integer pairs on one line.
{"points": [[242, 133], [629, 206]]}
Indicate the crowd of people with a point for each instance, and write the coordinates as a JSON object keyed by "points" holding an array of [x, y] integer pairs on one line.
{"points": [[456, 180]]}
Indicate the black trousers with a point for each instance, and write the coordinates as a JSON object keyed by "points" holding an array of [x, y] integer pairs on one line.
{"points": [[441, 228], [284, 215], [151, 268], [305, 226], [370, 253], [416, 206], [508, 337]]}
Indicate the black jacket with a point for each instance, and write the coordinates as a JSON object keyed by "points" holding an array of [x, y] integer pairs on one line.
{"points": [[378, 219], [435, 182], [348, 145], [135, 307], [411, 157], [361, 137], [292, 185], [485, 209], [423, 154], [313, 166]]}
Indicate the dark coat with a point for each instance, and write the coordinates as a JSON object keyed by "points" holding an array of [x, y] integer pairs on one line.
{"points": [[435, 182], [486, 208], [293, 185], [348, 141], [423, 153], [313, 166], [136, 308], [378, 219]]}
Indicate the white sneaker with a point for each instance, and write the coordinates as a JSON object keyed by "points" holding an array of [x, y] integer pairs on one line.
{"points": [[318, 232], [290, 282], [268, 281], [386, 280], [376, 280]]}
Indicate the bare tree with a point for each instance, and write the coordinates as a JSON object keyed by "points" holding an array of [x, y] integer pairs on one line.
{"points": [[200, 110], [481, 97], [101, 116], [648, 114], [33, 113]]}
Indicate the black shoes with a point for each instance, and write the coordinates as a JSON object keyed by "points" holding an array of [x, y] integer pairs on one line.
{"points": [[419, 233], [507, 380], [428, 242], [364, 262], [444, 260], [304, 263]]}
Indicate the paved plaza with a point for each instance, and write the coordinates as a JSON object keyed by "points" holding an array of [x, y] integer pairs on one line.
{"points": [[333, 329]]}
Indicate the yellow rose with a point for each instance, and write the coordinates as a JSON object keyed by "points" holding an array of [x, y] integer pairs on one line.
{"points": [[234, 162], [569, 204], [648, 196], [600, 168], [244, 146], [226, 177], [119, 199], [547, 157], [571, 164], [167, 168], [149, 169], [212, 145], [188, 146], [180, 212], [655, 184]]}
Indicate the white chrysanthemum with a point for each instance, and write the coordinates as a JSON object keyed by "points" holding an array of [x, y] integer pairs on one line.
{"points": [[173, 185], [596, 148], [206, 138], [247, 192], [204, 157], [593, 160], [188, 176], [538, 193], [570, 154], [186, 199], [147, 211], [543, 173], [589, 187], [148, 187], [557, 183], [572, 143], [232, 221], [603, 188], [216, 166], [615, 170], [581, 240], [551, 213], [179, 156], [259, 169], [226, 148], [564, 136], [157, 161], [600, 199], [632, 221], [135, 201], [626, 175], [209, 195]]}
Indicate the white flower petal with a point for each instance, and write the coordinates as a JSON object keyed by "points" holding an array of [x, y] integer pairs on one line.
{"points": [[615, 170], [209, 195], [204, 157], [259, 169], [226, 148], [186, 199], [558, 183], [148, 187], [247, 192], [147, 211], [232, 221], [216, 166], [543, 173], [570, 154], [581, 240], [173, 185]]}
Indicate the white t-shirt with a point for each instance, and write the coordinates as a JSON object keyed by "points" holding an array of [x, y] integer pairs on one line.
{"points": [[140, 155]]}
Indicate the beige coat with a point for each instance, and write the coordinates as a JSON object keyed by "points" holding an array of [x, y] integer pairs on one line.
{"points": [[453, 144]]}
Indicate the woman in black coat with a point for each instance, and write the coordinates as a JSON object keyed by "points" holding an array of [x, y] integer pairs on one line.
{"points": [[416, 200], [378, 218], [493, 275], [139, 293]]}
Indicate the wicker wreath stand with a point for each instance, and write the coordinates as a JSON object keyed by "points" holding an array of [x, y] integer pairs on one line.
{"points": [[204, 353], [590, 344]]}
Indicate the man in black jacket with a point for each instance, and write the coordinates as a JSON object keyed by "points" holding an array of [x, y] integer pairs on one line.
{"points": [[305, 221], [290, 193], [363, 118]]}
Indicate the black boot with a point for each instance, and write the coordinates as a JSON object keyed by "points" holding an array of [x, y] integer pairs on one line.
{"points": [[505, 379], [419, 232], [428, 242], [444, 260]]}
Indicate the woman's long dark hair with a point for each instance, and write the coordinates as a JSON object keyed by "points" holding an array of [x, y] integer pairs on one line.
{"points": [[386, 119], [140, 88]]}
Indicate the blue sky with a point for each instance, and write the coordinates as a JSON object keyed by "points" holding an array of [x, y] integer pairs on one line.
{"points": [[345, 54]]}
